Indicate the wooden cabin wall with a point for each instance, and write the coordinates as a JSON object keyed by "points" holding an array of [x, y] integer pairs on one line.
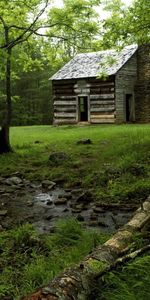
{"points": [[142, 88], [102, 100], [64, 99], [124, 85], [101, 95]]}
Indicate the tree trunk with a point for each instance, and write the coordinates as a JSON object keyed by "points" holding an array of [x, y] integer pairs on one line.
{"points": [[8, 88], [76, 283], [4, 140], [4, 132]]}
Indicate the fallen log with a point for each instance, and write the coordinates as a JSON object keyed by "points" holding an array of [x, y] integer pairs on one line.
{"points": [[76, 282]]}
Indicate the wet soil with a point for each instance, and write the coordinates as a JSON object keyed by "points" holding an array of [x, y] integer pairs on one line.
{"points": [[26, 202]]}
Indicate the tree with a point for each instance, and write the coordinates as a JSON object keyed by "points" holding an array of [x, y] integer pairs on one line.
{"points": [[18, 21], [126, 25], [76, 26]]}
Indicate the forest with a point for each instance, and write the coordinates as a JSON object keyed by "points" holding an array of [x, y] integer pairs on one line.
{"points": [[74, 199], [37, 39]]}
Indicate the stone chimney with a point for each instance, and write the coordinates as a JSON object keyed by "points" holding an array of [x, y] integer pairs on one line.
{"points": [[142, 87]]}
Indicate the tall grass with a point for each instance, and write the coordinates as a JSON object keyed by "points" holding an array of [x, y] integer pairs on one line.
{"points": [[130, 283], [28, 260]]}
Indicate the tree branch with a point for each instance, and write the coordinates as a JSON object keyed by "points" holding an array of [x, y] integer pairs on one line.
{"points": [[20, 38], [3, 22]]}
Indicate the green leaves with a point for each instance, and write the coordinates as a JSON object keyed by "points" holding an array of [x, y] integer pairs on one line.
{"points": [[127, 25], [74, 27]]}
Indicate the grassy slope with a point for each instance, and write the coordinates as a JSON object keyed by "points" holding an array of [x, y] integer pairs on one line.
{"points": [[115, 167]]}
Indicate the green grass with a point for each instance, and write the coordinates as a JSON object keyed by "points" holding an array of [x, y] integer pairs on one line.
{"points": [[28, 261], [116, 166], [132, 282]]}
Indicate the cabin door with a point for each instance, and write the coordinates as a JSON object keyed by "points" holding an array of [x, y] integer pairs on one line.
{"points": [[83, 108], [129, 106]]}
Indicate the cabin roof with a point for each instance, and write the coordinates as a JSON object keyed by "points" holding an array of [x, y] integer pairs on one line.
{"points": [[92, 64]]}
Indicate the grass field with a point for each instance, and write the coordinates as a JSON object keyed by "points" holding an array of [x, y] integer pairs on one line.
{"points": [[115, 167]]}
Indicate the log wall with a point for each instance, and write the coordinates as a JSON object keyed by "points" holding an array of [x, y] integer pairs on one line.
{"points": [[142, 87], [125, 81], [102, 101], [65, 106], [100, 97]]}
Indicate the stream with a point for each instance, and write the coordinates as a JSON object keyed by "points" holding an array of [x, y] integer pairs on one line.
{"points": [[43, 208], [58, 204]]}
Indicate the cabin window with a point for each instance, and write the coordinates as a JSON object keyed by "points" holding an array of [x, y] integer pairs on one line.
{"points": [[129, 108], [83, 108]]}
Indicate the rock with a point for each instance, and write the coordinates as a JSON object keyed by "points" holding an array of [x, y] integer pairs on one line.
{"points": [[13, 180], [68, 196], [1, 228], [60, 201], [68, 190], [93, 223], [98, 209], [37, 142], [85, 197], [57, 158], [30, 203], [47, 184], [84, 142], [22, 193], [34, 186], [11, 189], [3, 192], [3, 213], [76, 210], [48, 217], [76, 191], [61, 196], [93, 217], [1, 179], [66, 209], [80, 218], [26, 182], [102, 223], [80, 206], [49, 202]]}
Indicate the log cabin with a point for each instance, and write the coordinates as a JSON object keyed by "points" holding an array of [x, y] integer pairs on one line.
{"points": [[104, 87]]}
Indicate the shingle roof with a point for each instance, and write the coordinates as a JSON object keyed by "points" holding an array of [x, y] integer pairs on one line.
{"points": [[91, 64]]}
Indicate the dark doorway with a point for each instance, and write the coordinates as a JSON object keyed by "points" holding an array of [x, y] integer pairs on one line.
{"points": [[83, 108], [129, 107]]}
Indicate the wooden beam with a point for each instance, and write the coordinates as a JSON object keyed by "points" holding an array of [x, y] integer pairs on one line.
{"points": [[65, 109], [63, 102], [102, 121], [64, 115], [102, 109], [102, 102], [99, 83], [64, 121], [64, 97], [103, 96]]}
